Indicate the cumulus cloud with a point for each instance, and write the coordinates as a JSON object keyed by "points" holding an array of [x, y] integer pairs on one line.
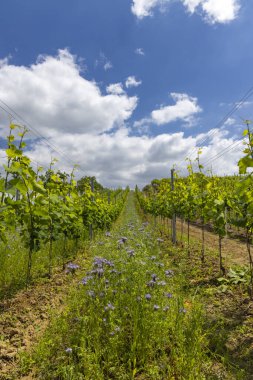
{"points": [[214, 11], [4, 61], [53, 95], [230, 121], [115, 88], [120, 159], [132, 82], [108, 65], [185, 109], [91, 127], [140, 51], [143, 8]]}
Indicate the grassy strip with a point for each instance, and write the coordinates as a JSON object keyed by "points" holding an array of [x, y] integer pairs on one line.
{"points": [[13, 262], [129, 317], [227, 307]]}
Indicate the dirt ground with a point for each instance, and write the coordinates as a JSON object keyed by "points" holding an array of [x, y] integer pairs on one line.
{"points": [[234, 249], [24, 318]]}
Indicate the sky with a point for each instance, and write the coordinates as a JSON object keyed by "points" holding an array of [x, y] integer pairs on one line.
{"points": [[127, 89]]}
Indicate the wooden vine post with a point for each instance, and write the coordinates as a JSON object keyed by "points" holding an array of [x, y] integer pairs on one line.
{"points": [[173, 220]]}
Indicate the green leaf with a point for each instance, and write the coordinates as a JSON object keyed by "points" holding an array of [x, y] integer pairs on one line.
{"points": [[38, 188], [244, 163]]}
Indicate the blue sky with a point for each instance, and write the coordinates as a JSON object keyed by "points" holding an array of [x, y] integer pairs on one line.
{"points": [[127, 88]]}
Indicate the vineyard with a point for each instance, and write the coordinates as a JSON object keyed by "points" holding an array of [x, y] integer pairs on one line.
{"points": [[110, 284], [224, 204], [45, 216]]}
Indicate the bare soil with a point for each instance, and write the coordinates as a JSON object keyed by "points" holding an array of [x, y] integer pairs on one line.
{"points": [[24, 318], [234, 249]]}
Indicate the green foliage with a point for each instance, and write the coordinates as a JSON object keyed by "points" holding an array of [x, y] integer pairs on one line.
{"points": [[49, 207], [235, 276], [127, 318]]}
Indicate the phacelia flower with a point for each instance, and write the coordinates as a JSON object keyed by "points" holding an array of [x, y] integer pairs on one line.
{"points": [[109, 307], [71, 268], [169, 273]]}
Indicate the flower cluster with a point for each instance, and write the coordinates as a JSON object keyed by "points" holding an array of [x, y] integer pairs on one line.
{"points": [[71, 267]]}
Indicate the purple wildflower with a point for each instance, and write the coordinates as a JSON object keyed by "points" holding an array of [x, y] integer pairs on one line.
{"points": [[100, 262], [169, 273], [130, 252], [168, 295], [68, 350], [148, 296], [151, 283], [71, 268], [100, 272], [156, 307], [182, 310], [166, 308], [109, 307]]}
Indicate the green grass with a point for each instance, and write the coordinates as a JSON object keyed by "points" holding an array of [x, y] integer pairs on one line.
{"points": [[14, 260], [129, 318]]}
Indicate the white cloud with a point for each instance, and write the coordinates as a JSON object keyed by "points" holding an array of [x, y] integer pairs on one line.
{"points": [[132, 82], [108, 65], [140, 51], [214, 11], [184, 109], [143, 8], [115, 89], [78, 119], [104, 62], [120, 159], [192, 5], [230, 121], [4, 61], [52, 95]]}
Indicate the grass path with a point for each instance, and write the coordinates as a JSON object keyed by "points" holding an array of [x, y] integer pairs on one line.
{"points": [[128, 318]]}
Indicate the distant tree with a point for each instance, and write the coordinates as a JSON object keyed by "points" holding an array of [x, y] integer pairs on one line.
{"points": [[84, 181]]}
